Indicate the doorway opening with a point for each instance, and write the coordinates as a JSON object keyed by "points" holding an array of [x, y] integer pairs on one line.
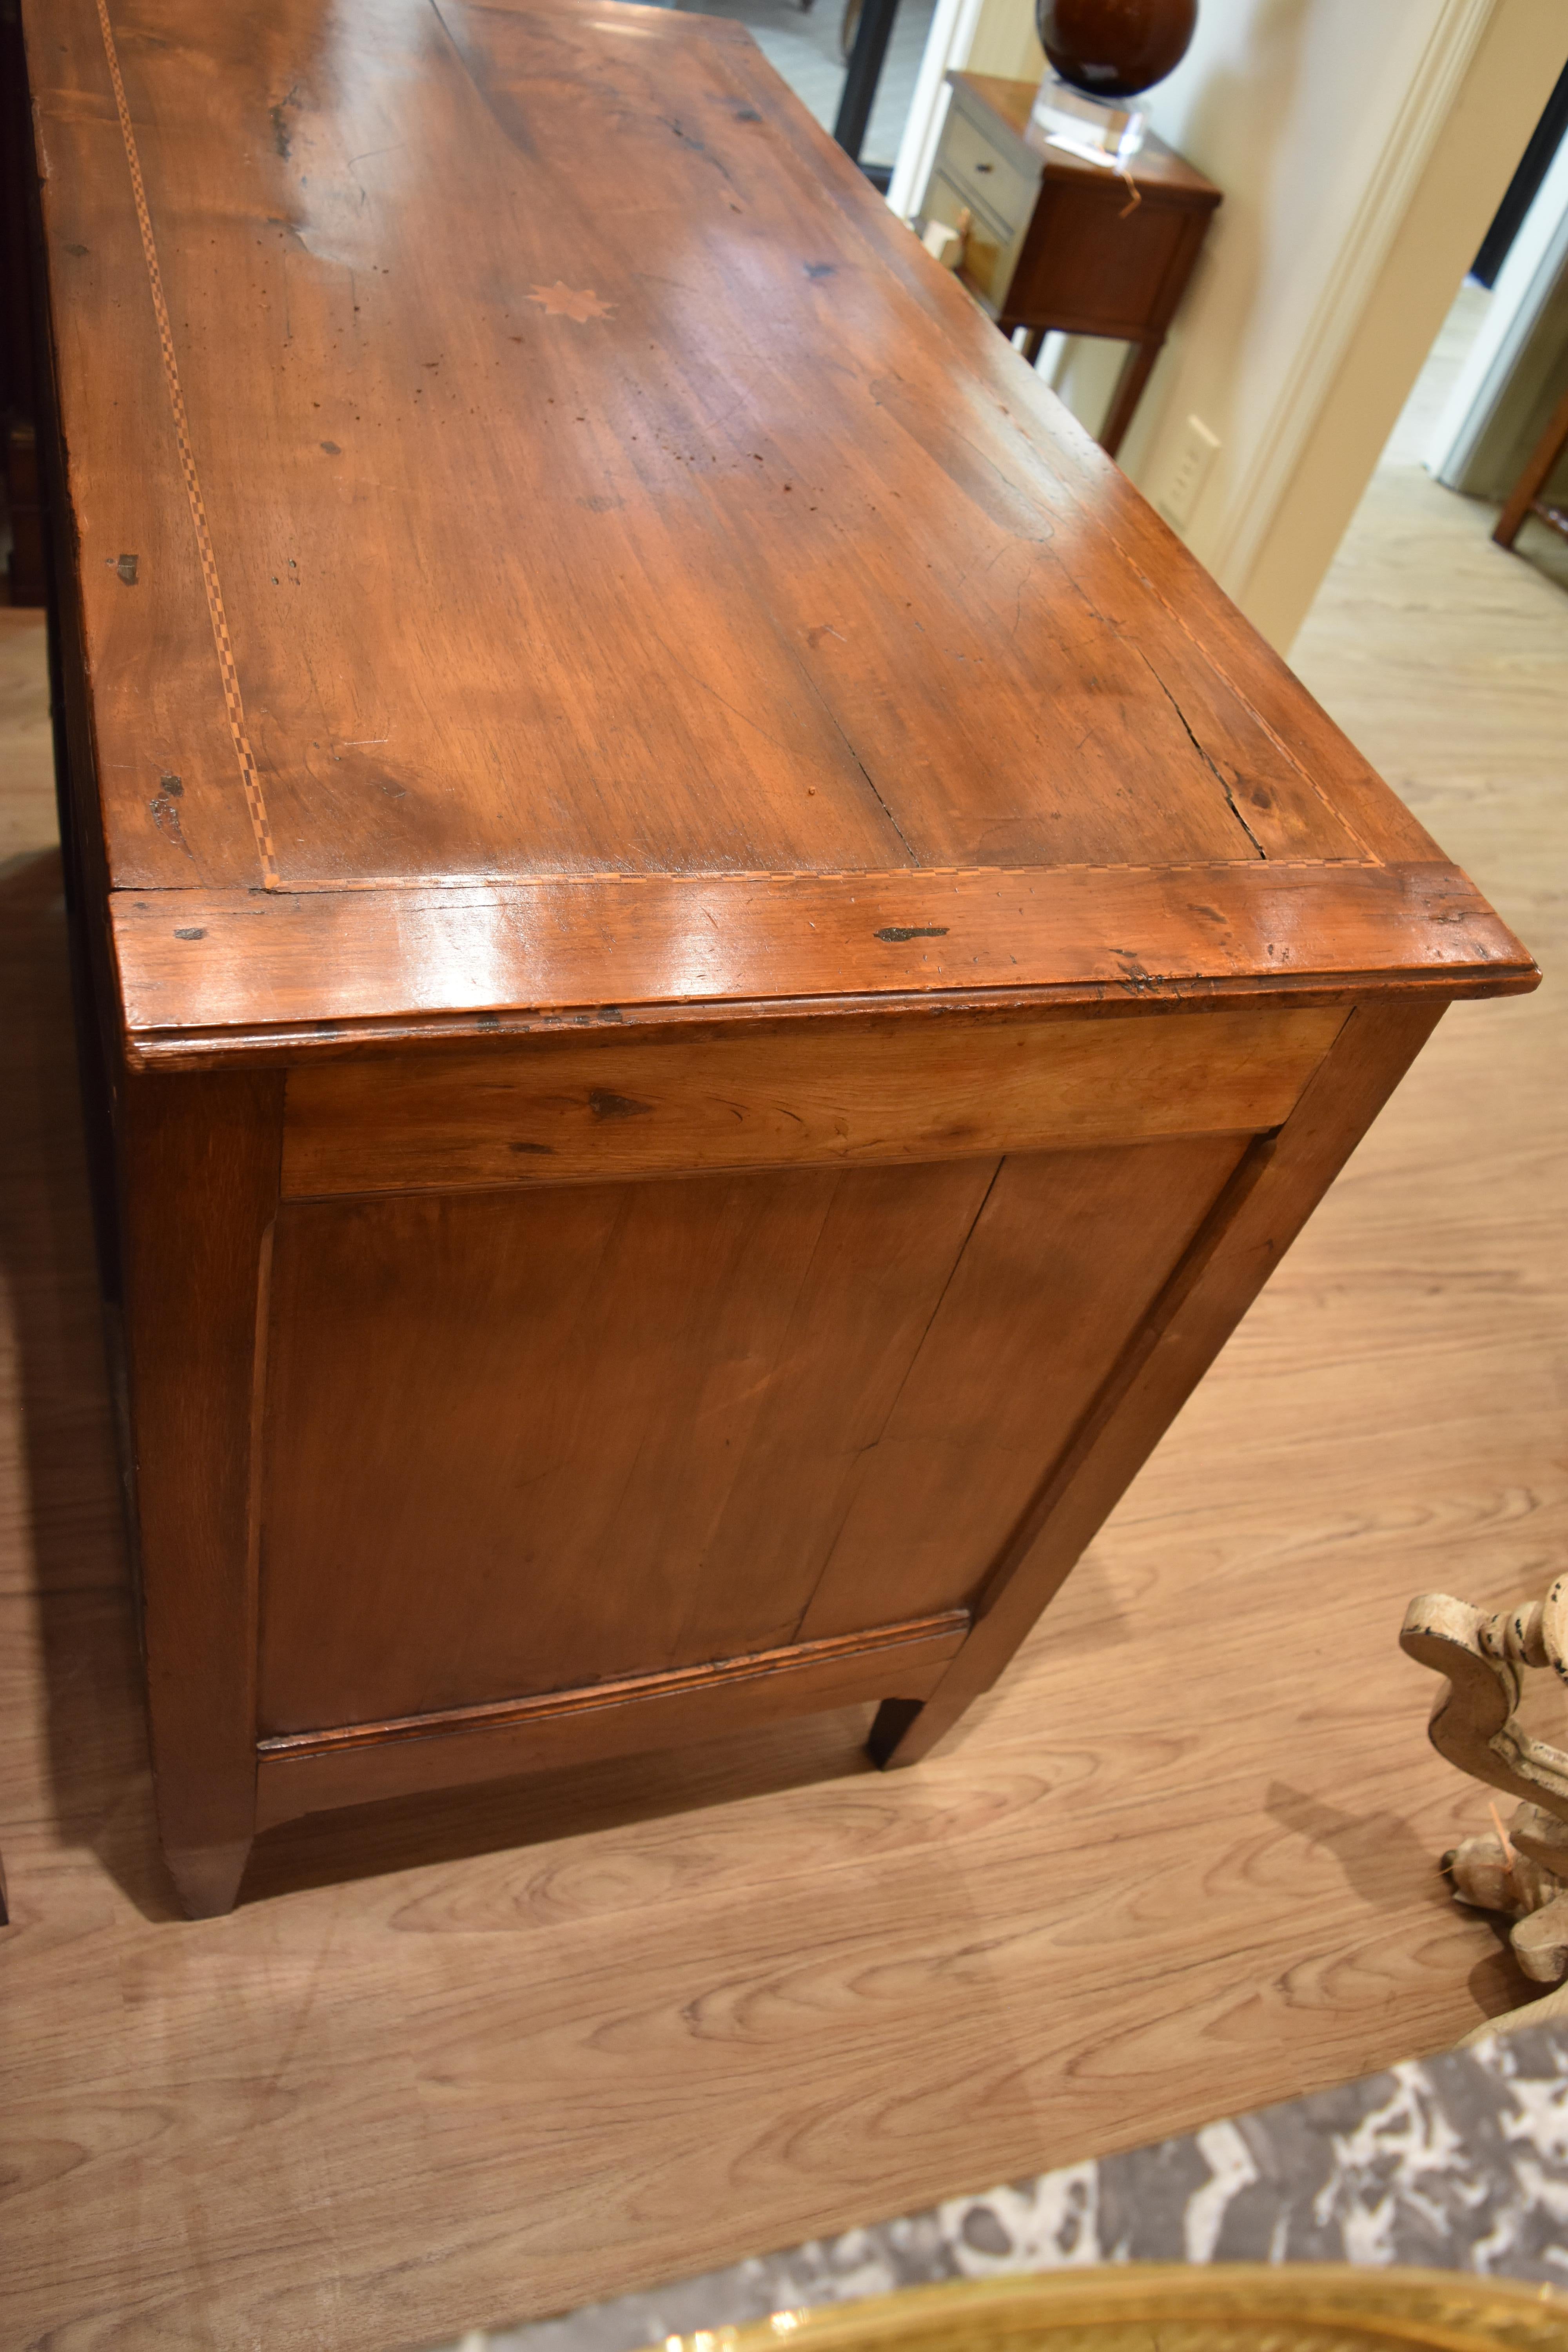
{"points": [[852, 63]]}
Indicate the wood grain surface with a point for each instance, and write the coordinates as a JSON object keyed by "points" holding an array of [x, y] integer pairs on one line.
{"points": [[592, 1402], [849, 600], [820, 1096], [205, 976], [558, 542], [200, 1165], [1249, 1223], [624, 1428], [481, 2057]]}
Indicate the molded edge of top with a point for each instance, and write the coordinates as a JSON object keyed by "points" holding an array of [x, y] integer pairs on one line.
{"points": [[208, 976]]}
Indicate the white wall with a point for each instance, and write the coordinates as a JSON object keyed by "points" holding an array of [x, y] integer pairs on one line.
{"points": [[1469, 165], [1287, 105], [1362, 146], [1005, 41], [1362, 151]]}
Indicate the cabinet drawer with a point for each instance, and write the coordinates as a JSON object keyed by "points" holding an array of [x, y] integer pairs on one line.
{"points": [[985, 177], [990, 252]]}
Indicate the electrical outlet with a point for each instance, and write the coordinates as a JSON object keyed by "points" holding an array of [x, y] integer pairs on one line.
{"points": [[1195, 455]]}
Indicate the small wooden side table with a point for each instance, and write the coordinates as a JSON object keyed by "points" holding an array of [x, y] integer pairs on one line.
{"points": [[1055, 242]]}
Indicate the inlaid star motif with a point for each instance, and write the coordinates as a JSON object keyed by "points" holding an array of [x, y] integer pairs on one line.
{"points": [[563, 301]]}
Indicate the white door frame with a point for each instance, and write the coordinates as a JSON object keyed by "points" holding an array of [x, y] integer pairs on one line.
{"points": [[949, 43]]}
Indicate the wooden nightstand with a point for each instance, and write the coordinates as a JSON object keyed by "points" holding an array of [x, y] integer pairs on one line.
{"points": [[1055, 242]]}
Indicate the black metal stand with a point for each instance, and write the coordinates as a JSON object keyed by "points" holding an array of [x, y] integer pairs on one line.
{"points": [[864, 72]]}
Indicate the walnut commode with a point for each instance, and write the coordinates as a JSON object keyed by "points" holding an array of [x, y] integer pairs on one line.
{"points": [[710, 968]]}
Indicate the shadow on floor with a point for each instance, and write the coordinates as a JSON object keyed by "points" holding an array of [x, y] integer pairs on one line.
{"points": [[1380, 1854], [68, 1550]]}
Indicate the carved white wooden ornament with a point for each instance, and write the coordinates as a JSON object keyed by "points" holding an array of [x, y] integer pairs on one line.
{"points": [[1525, 1870]]}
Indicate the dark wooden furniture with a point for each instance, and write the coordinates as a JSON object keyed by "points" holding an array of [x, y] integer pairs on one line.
{"points": [[19, 497], [715, 967], [1529, 493], [1055, 242]]}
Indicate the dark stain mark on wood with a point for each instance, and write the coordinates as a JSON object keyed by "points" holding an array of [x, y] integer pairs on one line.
{"points": [[165, 805], [281, 138], [190, 935], [747, 114], [80, 251], [548, 1149], [897, 933], [126, 567], [331, 448], [821, 268], [608, 1106], [1138, 981], [698, 146]]}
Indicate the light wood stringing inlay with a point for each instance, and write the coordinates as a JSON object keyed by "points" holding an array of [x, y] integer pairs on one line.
{"points": [[256, 804]]}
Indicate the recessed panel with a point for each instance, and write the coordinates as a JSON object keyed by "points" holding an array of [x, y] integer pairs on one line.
{"points": [[520, 1443]]}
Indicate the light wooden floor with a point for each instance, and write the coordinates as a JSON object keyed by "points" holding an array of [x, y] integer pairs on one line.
{"points": [[558, 2038]]}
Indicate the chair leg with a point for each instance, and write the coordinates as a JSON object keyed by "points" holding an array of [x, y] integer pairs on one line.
{"points": [[1542, 458], [1136, 369]]}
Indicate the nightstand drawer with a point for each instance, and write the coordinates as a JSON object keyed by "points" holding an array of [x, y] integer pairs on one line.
{"points": [[991, 249], [984, 177]]}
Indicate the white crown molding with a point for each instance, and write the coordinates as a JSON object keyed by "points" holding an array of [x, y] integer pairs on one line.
{"points": [[1337, 316]]}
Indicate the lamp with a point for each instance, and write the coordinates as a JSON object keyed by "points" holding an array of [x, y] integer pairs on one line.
{"points": [[1103, 53]]}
